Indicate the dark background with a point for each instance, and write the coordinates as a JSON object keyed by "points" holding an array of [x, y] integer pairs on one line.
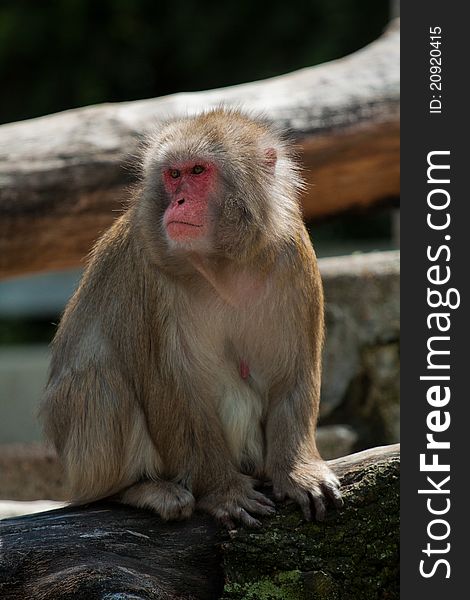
{"points": [[63, 54]]}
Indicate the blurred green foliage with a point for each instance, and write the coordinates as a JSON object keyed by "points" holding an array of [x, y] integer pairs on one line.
{"points": [[22, 330], [62, 54]]}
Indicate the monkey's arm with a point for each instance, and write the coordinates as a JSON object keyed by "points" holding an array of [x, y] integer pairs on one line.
{"points": [[293, 462]]}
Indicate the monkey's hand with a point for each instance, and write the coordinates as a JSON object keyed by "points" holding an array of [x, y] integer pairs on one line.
{"points": [[310, 484], [235, 500]]}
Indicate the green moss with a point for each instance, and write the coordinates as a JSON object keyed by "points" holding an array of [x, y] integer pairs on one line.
{"points": [[321, 585], [286, 585], [352, 555]]}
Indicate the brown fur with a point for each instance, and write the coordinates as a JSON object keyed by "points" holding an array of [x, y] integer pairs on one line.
{"points": [[145, 398]]}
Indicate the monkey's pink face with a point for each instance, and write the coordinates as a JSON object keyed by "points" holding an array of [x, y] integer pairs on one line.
{"points": [[189, 186]]}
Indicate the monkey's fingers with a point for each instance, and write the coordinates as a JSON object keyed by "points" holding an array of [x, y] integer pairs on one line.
{"points": [[332, 492], [258, 508], [311, 502], [262, 499], [247, 519], [303, 500], [226, 516], [223, 517], [329, 490], [319, 505]]}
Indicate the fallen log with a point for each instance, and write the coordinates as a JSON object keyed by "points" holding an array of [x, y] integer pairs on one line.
{"points": [[63, 178], [113, 552]]}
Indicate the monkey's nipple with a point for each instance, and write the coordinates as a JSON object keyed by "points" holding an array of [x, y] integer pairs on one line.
{"points": [[244, 369]]}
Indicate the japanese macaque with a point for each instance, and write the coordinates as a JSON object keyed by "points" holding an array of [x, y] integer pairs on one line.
{"points": [[186, 368]]}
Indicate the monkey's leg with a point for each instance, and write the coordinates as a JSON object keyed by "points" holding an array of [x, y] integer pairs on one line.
{"points": [[227, 494], [190, 437], [235, 500], [99, 432], [170, 500]]}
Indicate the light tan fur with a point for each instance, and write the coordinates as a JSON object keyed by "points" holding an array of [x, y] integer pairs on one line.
{"points": [[145, 398]]}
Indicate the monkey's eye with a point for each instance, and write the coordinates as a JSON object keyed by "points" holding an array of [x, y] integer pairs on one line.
{"points": [[174, 173], [197, 169]]}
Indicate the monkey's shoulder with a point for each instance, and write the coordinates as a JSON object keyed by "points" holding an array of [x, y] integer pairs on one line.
{"points": [[295, 266]]}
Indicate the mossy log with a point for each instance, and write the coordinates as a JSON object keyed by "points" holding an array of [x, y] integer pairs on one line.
{"points": [[113, 552]]}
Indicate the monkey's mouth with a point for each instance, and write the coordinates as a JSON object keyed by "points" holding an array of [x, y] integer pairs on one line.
{"points": [[183, 231], [182, 223]]}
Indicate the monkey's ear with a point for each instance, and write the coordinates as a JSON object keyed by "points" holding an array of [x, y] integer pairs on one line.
{"points": [[270, 156]]}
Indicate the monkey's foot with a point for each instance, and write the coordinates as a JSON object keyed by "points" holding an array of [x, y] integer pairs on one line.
{"points": [[235, 502], [311, 485], [170, 500]]}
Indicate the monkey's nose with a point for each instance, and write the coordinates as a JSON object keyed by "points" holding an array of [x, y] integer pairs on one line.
{"points": [[181, 201]]}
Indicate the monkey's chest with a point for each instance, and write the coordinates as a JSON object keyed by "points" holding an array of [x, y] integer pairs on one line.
{"points": [[247, 347], [252, 356], [238, 357], [261, 349]]}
